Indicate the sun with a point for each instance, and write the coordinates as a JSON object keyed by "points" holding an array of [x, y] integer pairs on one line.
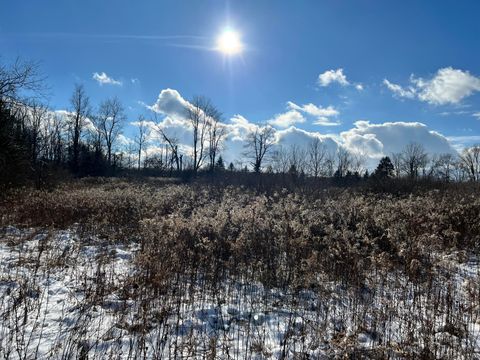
{"points": [[229, 42]]}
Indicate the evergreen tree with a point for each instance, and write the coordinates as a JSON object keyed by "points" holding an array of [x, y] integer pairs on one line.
{"points": [[385, 168], [293, 170], [220, 165]]}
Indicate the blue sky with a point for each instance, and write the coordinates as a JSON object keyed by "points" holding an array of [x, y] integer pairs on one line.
{"points": [[428, 51]]}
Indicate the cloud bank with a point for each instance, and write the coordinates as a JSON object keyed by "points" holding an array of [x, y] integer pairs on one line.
{"points": [[371, 140]]}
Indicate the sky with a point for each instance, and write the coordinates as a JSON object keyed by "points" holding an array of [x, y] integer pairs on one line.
{"points": [[369, 75]]}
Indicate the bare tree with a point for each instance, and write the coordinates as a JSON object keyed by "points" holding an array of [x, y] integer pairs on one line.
{"points": [[172, 144], [130, 150], [470, 161], [37, 117], [316, 154], [141, 137], [22, 76], [258, 144], [397, 163], [94, 137], [297, 161], [109, 123], [358, 162], [441, 166], [329, 164], [216, 135], [344, 161], [55, 130], [199, 114], [459, 173], [280, 160], [80, 103], [172, 154], [413, 158]]}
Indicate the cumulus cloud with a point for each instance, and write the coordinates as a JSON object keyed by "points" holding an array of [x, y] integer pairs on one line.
{"points": [[295, 114], [66, 117], [398, 90], [377, 140], [287, 119], [447, 86], [171, 103], [336, 76], [124, 141], [295, 136], [314, 110], [150, 127], [476, 115], [366, 144], [239, 128], [463, 141], [332, 76], [102, 78], [322, 115], [371, 140], [239, 120], [178, 129]]}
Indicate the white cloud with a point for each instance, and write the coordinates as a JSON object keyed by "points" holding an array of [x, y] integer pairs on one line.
{"points": [[322, 115], [124, 141], [314, 110], [449, 113], [66, 115], [239, 119], [324, 121], [364, 143], [170, 103], [239, 128], [103, 78], [295, 136], [149, 124], [150, 129], [178, 129], [371, 140], [332, 76], [447, 86], [461, 142], [295, 115], [336, 76], [397, 90], [378, 140], [287, 119], [477, 115]]}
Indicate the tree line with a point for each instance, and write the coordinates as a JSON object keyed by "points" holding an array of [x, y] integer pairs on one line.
{"points": [[37, 143]]}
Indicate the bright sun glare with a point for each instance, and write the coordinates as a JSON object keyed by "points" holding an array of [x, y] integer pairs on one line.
{"points": [[229, 42]]}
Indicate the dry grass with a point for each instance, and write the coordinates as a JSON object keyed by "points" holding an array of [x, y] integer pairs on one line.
{"points": [[354, 273]]}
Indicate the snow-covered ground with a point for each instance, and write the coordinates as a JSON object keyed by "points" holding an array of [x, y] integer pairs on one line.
{"points": [[63, 296]]}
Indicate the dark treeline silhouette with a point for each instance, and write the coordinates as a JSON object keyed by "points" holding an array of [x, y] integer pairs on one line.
{"points": [[39, 146]]}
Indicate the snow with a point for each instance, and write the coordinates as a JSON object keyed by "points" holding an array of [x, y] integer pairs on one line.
{"points": [[64, 295]]}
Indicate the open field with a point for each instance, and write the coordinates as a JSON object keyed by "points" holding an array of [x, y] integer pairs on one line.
{"points": [[117, 269], [234, 180]]}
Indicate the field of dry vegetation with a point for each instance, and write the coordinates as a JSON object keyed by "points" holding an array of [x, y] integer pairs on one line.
{"points": [[120, 269]]}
